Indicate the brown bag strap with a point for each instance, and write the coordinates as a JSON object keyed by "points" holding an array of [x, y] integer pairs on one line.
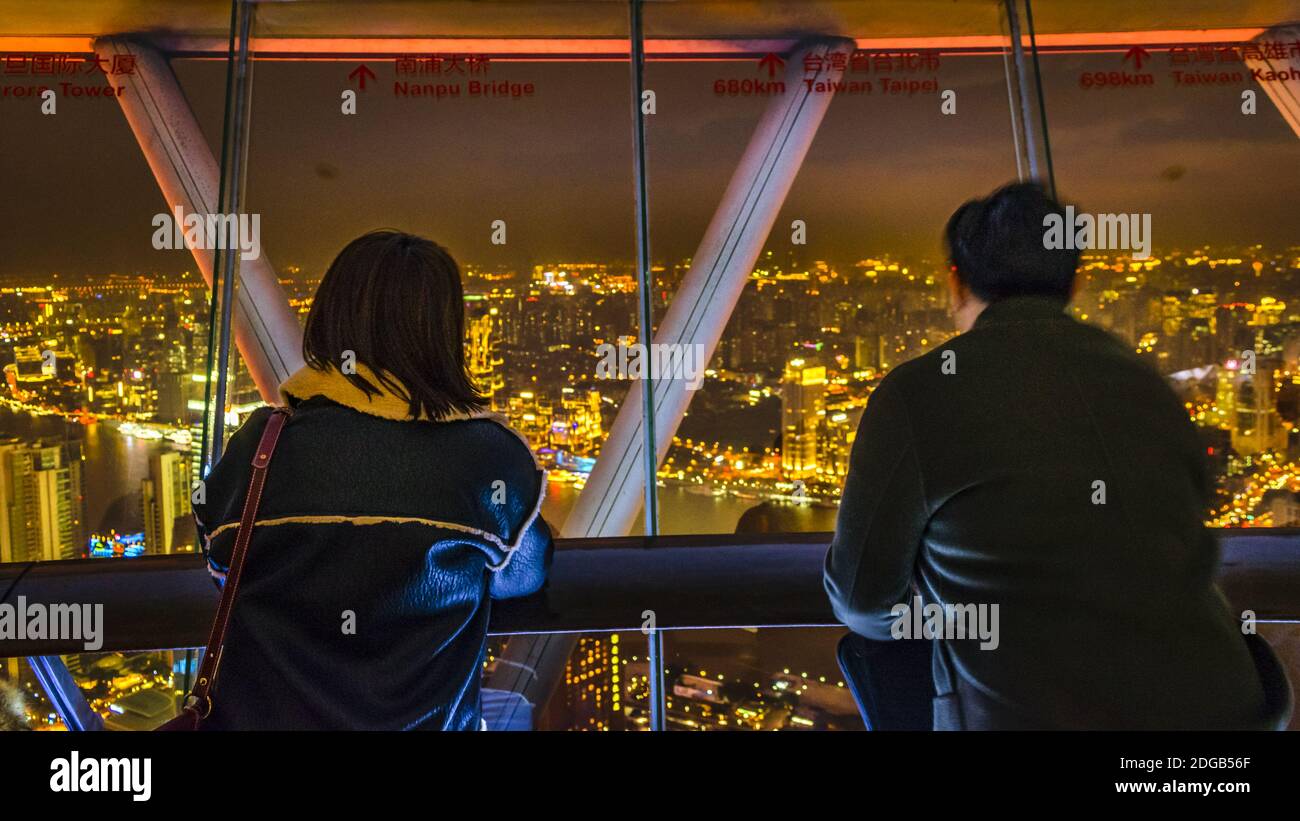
{"points": [[200, 699]]}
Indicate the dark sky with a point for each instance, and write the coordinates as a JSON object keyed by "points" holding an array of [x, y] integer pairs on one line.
{"points": [[883, 174]]}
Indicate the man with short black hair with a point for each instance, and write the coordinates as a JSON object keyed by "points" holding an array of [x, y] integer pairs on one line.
{"points": [[1035, 469]]}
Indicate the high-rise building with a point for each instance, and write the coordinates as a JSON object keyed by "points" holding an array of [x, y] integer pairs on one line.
{"points": [[171, 405], [868, 348], [835, 442], [29, 362], [803, 389], [485, 363], [1225, 394], [165, 499], [1258, 425], [575, 425], [530, 414], [592, 696], [42, 501]]}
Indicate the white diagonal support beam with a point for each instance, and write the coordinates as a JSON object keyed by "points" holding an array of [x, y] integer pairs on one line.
{"points": [[266, 328]]}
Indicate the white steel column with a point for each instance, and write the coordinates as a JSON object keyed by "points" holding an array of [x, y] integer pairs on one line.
{"points": [[266, 329], [719, 270], [1285, 94]]}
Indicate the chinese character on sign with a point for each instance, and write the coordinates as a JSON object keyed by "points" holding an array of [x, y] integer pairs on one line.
{"points": [[65, 64], [1275, 51], [883, 62], [1229, 54]]}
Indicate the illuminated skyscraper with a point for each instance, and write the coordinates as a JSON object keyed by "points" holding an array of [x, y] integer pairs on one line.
{"points": [[1258, 426], [593, 685], [803, 388], [29, 364], [42, 501], [1269, 311], [530, 415], [485, 363], [575, 426], [165, 499], [1225, 394], [835, 442]]}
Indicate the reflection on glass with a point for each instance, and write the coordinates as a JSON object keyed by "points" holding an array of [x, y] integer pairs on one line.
{"points": [[129, 691], [770, 679], [603, 686]]}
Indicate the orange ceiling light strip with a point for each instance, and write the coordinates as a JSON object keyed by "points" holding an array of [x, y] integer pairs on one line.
{"points": [[46, 45], [574, 48]]}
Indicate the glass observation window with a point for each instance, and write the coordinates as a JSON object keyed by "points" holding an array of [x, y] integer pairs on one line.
{"points": [[104, 332]]}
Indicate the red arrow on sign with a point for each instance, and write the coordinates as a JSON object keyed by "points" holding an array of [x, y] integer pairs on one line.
{"points": [[1138, 54], [773, 62], [360, 73]]}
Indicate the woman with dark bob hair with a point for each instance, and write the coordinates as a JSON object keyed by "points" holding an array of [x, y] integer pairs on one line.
{"points": [[395, 508]]}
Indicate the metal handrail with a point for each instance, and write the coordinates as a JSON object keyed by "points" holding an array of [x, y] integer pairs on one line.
{"points": [[595, 585]]}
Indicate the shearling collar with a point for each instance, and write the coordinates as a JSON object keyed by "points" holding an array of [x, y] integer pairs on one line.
{"points": [[331, 384]]}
